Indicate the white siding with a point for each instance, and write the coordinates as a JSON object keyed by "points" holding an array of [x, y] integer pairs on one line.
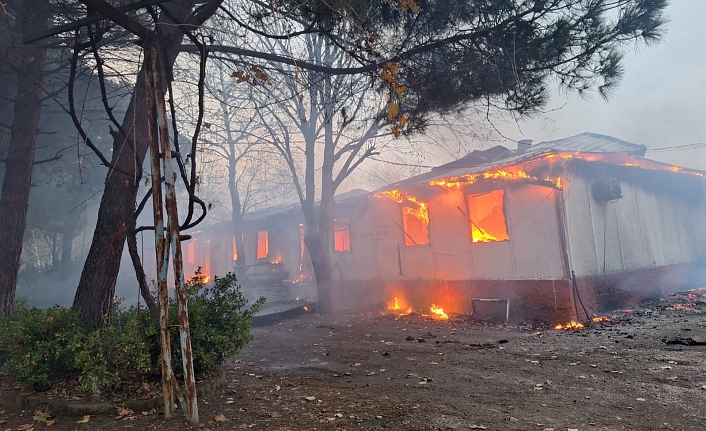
{"points": [[533, 251], [643, 229]]}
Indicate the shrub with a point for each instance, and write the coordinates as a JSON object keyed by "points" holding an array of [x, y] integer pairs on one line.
{"points": [[38, 345], [44, 346], [219, 321]]}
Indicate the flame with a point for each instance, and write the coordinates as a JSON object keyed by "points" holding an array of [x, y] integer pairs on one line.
{"points": [[438, 312], [306, 308], [482, 236], [569, 326], [418, 209], [602, 318], [396, 306], [276, 261], [519, 175]]}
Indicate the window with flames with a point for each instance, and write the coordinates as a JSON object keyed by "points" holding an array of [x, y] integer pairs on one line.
{"points": [[263, 244], [342, 234], [487, 216], [415, 221]]}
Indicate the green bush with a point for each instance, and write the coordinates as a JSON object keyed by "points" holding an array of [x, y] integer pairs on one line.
{"points": [[44, 346], [219, 320], [38, 345]]}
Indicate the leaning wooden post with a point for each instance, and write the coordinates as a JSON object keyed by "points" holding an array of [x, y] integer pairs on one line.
{"points": [[162, 252], [191, 406]]}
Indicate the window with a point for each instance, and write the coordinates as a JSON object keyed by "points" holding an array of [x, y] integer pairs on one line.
{"points": [[415, 220], [263, 245], [206, 270], [487, 216], [235, 250], [342, 234], [191, 252]]}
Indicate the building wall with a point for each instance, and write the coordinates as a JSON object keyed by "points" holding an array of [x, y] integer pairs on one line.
{"points": [[655, 223], [649, 243], [533, 251], [451, 270]]}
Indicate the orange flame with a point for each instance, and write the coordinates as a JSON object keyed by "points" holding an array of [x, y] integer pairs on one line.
{"points": [[520, 175], [569, 326], [438, 312], [602, 318], [418, 209], [396, 306]]}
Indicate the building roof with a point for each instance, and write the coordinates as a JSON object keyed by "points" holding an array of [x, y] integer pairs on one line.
{"points": [[603, 148], [284, 208], [591, 143]]}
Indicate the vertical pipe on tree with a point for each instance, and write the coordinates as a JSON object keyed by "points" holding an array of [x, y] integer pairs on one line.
{"points": [[162, 252], [191, 410]]}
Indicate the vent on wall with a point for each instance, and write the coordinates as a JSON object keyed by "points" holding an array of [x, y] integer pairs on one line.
{"points": [[607, 189]]}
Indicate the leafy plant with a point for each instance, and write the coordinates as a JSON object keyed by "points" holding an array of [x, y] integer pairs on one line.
{"points": [[44, 346], [38, 345], [220, 321]]}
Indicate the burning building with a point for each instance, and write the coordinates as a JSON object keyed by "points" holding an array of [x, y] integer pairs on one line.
{"points": [[554, 231]]}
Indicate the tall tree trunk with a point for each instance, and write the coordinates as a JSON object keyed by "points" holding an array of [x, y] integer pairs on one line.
{"points": [[100, 272], [16, 185], [8, 77], [237, 212], [321, 255], [67, 248]]}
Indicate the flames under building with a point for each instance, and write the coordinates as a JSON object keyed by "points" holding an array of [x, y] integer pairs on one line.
{"points": [[554, 231]]}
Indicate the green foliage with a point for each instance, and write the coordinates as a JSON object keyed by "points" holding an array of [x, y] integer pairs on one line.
{"points": [[45, 346], [38, 345], [220, 322]]}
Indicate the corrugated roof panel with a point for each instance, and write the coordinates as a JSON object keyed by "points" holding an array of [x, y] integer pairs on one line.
{"points": [[591, 143]]}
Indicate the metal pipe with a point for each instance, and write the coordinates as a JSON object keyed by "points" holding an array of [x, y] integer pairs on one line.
{"points": [[151, 53], [191, 408]]}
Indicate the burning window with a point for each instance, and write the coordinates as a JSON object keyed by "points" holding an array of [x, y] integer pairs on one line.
{"points": [[487, 216], [235, 250], [415, 220], [206, 270], [263, 244], [342, 234], [415, 216], [191, 252]]}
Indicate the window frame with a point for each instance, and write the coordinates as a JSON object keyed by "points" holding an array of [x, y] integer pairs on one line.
{"points": [[406, 235], [469, 196], [267, 245], [348, 228]]}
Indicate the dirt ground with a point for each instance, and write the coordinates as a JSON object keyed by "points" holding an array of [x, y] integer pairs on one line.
{"points": [[374, 371]]}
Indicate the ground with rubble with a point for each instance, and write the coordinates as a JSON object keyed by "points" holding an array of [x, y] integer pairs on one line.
{"points": [[374, 371]]}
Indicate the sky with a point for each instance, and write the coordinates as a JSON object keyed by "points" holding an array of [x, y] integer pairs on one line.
{"points": [[660, 102]]}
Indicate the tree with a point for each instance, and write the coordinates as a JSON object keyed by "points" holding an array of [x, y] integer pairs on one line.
{"points": [[333, 121], [117, 211], [32, 17], [255, 175]]}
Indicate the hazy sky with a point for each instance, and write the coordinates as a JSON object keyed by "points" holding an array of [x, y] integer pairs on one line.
{"points": [[660, 102]]}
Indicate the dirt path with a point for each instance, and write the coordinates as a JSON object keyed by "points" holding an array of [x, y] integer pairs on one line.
{"points": [[383, 372]]}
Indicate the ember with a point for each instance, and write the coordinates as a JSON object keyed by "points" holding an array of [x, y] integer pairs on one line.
{"points": [[602, 318], [570, 326]]}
